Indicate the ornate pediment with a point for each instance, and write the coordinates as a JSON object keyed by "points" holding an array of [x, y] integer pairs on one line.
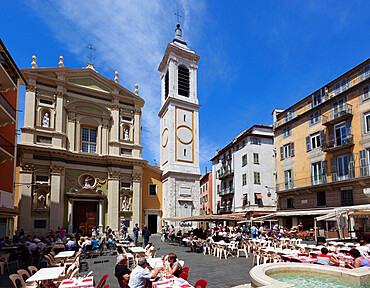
{"points": [[88, 186], [89, 83]]}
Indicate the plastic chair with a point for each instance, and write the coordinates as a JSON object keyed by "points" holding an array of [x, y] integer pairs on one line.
{"points": [[186, 269], [50, 284], [32, 269], [5, 262], [22, 273], [16, 277], [102, 281], [183, 275], [201, 283]]}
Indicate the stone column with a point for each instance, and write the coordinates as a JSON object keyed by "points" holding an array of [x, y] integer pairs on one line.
{"points": [[25, 197], [70, 216], [137, 210], [113, 199], [105, 128], [59, 120], [30, 105], [72, 131], [57, 196], [101, 207], [137, 125]]}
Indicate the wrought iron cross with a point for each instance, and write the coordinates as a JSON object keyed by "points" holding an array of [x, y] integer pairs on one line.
{"points": [[178, 16], [91, 55]]}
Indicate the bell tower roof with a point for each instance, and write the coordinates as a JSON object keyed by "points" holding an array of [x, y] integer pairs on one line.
{"points": [[178, 36]]}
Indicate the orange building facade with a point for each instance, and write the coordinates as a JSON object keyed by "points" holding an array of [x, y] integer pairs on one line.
{"points": [[206, 194], [10, 79]]}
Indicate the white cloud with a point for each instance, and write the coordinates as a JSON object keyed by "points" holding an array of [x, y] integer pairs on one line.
{"points": [[129, 36]]}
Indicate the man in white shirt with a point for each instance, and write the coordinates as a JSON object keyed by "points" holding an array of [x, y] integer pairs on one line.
{"points": [[364, 250], [139, 276]]}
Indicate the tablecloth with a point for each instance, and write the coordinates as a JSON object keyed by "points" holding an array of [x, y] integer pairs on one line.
{"points": [[78, 283]]}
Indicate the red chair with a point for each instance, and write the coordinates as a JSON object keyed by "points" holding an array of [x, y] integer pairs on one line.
{"points": [[201, 283], [106, 286], [123, 284], [186, 269], [102, 281], [184, 276]]}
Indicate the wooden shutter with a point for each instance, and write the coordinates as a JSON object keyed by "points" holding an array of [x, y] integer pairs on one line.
{"points": [[363, 163], [311, 119], [324, 171], [331, 136], [348, 129], [322, 138], [291, 149], [308, 143], [351, 166], [333, 169], [282, 153]]}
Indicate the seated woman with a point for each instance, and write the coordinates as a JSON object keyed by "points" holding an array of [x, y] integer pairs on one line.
{"points": [[174, 267], [324, 259], [95, 243], [359, 261]]}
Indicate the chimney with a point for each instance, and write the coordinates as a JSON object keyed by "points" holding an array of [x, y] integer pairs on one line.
{"points": [[206, 169]]}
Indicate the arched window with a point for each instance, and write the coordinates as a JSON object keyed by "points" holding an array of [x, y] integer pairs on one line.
{"points": [[166, 84], [183, 81]]}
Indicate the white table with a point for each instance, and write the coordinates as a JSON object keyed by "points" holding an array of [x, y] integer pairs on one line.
{"points": [[46, 274], [137, 249], [157, 262], [78, 282], [65, 254]]}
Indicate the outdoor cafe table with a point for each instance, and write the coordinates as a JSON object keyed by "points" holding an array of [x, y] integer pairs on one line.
{"points": [[46, 274], [65, 254], [158, 262], [137, 249], [78, 283], [172, 281]]}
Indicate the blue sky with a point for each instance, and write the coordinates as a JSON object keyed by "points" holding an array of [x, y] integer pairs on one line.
{"points": [[255, 55]]}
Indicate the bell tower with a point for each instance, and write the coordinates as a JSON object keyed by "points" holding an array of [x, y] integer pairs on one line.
{"points": [[179, 126]]}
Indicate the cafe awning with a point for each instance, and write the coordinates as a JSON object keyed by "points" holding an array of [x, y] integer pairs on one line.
{"points": [[295, 213], [259, 196], [212, 217]]}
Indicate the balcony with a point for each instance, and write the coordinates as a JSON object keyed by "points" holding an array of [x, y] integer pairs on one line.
{"points": [[6, 150], [5, 79], [226, 191], [338, 143], [337, 114], [7, 112]]}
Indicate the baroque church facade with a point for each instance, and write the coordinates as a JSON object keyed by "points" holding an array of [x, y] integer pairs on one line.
{"points": [[179, 128], [80, 156]]}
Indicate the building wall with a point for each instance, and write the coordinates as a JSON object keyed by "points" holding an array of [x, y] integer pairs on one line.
{"points": [[152, 205], [206, 194], [303, 190]]}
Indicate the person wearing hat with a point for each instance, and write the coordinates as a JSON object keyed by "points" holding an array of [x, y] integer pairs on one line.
{"points": [[40, 244], [140, 276], [70, 245], [121, 271], [58, 246]]}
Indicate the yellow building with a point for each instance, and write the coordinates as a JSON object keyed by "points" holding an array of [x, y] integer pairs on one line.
{"points": [[152, 197], [322, 149]]}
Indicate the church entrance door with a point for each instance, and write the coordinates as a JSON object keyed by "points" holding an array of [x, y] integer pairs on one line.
{"points": [[85, 216], [152, 224]]}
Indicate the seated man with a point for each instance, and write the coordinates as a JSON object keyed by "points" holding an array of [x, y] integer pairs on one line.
{"points": [[121, 272], [139, 276], [95, 243], [70, 245], [324, 259], [111, 241], [364, 250]]}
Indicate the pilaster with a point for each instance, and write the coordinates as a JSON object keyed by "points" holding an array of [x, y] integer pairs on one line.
{"points": [[59, 119], [137, 195], [72, 131], [105, 130], [25, 196], [137, 125], [57, 196], [113, 199], [114, 149]]}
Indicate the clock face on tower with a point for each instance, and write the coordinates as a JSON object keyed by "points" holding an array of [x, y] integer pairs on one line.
{"points": [[165, 138]]}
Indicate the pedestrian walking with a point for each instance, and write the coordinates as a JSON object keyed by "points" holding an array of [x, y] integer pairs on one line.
{"points": [[136, 233], [145, 234]]}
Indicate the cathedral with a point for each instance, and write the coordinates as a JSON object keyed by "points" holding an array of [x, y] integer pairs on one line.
{"points": [[179, 128]]}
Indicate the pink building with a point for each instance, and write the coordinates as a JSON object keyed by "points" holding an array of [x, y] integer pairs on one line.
{"points": [[206, 194]]}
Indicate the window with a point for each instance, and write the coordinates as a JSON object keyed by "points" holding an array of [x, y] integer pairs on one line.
{"points": [[365, 93], [184, 118], [289, 203], [125, 185], [314, 118], [257, 178], [88, 140], [124, 118], [340, 134], [316, 173], [244, 160], [287, 131], [152, 189], [39, 224], [184, 152], [218, 188], [289, 116], [42, 178], [258, 199], [287, 151], [342, 167], [206, 186], [255, 141], [125, 151], [166, 84], [183, 81], [367, 122], [321, 198], [346, 197], [288, 179], [316, 100], [315, 140], [256, 159], [244, 178]]}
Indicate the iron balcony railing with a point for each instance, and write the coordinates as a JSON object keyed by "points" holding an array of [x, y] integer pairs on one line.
{"points": [[6, 105], [338, 143], [226, 191], [353, 79], [6, 145], [225, 173], [337, 114], [335, 176]]}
